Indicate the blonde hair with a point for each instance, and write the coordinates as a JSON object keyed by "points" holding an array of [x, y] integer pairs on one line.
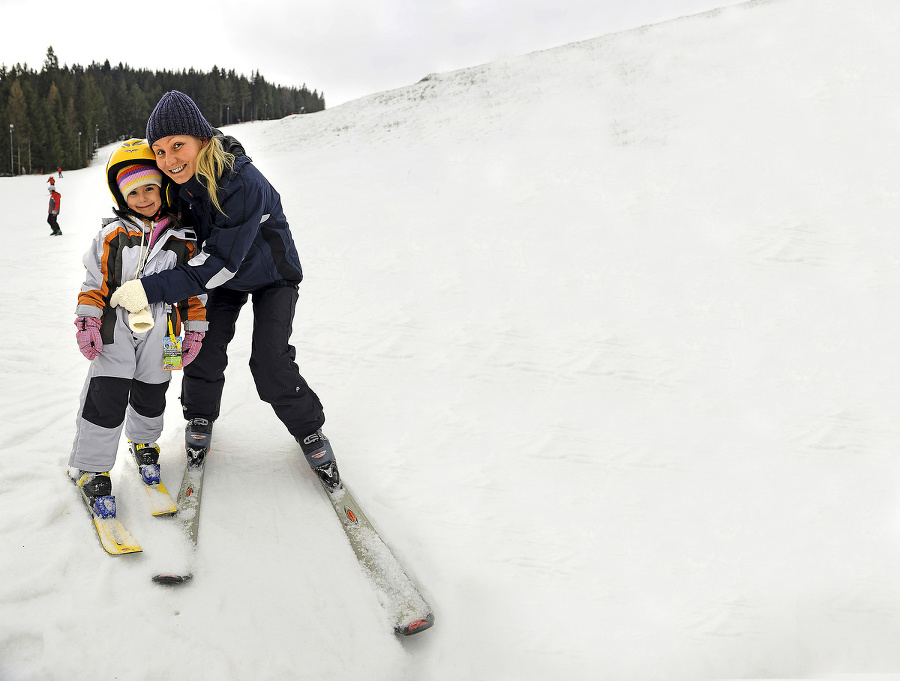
{"points": [[212, 162]]}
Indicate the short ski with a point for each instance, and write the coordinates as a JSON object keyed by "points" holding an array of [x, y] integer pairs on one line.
{"points": [[113, 536], [161, 503], [188, 515], [407, 609]]}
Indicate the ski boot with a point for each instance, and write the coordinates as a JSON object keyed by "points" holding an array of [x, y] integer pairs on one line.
{"points": [[146, 455], [320, 458], [97, 491], [197, 438]]}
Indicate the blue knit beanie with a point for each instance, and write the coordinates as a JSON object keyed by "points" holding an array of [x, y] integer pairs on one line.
{"points": [[176, 114]]}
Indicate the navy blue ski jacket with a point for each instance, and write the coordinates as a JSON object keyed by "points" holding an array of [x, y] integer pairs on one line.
{"points": [[247, 248]]}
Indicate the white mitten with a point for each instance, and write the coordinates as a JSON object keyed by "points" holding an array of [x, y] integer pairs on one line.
{"points": [[140, 321], [130, 295]]}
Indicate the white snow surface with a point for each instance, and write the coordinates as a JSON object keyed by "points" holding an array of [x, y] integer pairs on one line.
{"points": [[607, 337]]}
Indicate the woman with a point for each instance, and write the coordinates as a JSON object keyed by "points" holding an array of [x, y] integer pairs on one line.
{"points": [[247, 252]]}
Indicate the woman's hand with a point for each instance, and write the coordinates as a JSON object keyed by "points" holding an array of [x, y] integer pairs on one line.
{"points": [[131, 296]]}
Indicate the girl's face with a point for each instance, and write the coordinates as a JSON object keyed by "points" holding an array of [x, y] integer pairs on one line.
{"points": [[145, 200], [176, 156]]}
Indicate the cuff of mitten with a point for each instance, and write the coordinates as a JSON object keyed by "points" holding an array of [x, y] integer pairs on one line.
{"points": [[140, 321], [88, 311], [200, 327]]}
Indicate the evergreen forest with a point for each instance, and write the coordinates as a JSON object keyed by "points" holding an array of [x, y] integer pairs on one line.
{"points": [[60, 116]]}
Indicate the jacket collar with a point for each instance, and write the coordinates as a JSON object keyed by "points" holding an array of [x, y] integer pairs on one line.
{"points": [[192, 190]]}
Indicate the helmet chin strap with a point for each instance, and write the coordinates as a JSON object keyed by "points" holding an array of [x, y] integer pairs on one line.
{"points": [[156, 217]]}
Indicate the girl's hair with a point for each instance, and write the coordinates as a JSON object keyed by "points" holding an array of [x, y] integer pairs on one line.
{"points": [[212, 162]]}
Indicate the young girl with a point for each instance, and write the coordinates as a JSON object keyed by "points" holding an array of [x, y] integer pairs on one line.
{"points": [[127, 379], [247, 251]]}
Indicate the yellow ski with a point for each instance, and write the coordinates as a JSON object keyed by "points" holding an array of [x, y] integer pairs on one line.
{"points": [[113, 536], [161, 503]]}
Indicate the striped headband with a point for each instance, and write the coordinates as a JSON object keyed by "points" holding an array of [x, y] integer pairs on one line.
{"points": [[136, 175]]}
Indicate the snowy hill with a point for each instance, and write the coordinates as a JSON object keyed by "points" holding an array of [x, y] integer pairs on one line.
{"points": [[607, 340]]}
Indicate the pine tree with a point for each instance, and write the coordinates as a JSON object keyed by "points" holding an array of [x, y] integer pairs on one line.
{"points": [[18, 116], [52, 148], [92, 109]]}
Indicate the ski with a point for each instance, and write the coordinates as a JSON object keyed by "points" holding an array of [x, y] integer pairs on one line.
{"points": [[406, 607], [171, 578], [161, 503], [189, 499], [188, 515], [114, 537]]}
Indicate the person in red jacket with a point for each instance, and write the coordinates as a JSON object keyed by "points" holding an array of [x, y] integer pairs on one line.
{"points": [[53, 212]]}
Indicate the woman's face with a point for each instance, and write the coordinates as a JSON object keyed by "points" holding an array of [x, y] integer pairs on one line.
{"points": [[176, 156]]}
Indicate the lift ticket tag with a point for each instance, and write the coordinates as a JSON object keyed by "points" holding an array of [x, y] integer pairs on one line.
{"points": [[171, 353]]}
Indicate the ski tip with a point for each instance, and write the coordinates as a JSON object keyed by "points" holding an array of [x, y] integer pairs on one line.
{"points": [[120, 549], [171, 578], [416, 626]]}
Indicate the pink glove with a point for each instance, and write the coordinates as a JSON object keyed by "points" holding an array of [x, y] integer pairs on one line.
{"points": [[190, 346], [88, 336]]}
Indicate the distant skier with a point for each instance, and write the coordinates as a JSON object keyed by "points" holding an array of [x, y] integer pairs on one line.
{"points": [[127, 380], [59, 170], [53, 211]]}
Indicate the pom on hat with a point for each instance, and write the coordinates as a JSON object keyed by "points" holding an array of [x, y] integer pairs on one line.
{"points": [[176, 114], [136, 175]]}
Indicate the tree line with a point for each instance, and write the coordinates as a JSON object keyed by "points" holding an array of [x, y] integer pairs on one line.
{"points": [[60, 116]]}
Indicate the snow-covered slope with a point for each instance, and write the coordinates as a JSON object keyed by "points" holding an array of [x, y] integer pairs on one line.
{"points": [[607, 338]]}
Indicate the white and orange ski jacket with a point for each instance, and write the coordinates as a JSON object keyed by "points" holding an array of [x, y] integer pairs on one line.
{"points": [[121, 252]]}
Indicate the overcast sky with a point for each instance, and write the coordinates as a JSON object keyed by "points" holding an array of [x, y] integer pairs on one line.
{"points": [[344, 48]]}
